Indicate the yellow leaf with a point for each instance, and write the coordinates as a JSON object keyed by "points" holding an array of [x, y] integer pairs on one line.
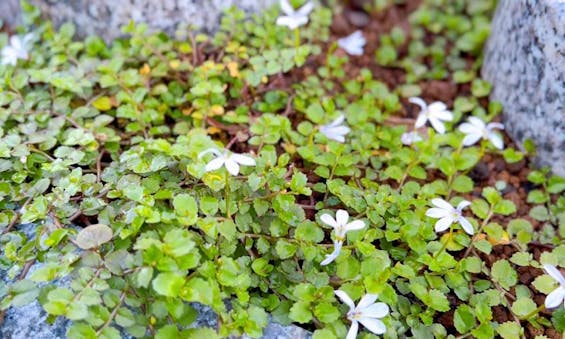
{"points": [[213, 130], [216, 110], [102, 104], [233, 69], [93, 236], [504, 240], [174, 64], [145, 69]]}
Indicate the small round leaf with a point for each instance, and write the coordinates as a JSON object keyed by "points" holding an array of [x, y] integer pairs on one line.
{"points": [[93, 236]]}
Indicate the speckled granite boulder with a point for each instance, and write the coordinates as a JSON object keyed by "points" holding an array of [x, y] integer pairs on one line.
{"points": [[525, 61], [105, 17]]}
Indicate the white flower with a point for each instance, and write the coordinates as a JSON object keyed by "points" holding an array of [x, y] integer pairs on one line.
{"points": [[436, 112], [341, 227], [353, 43], [293, 19], [557, 297], [340, 223], [476, 129], [335, 130], [17, 49], [367, 312], [448, 215], [409, 138], [331, 257], [230, 160]]}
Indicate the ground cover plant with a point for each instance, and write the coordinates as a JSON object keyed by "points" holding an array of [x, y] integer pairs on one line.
{"points": [[353, 183]]}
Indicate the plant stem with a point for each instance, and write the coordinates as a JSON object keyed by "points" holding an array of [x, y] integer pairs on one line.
{"points": [[444, 246], [227, 189], [296, 40], [489, 215], [534, 312]]}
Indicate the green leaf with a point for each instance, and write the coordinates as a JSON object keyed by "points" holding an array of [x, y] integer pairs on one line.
{"points": [[326, 312], [523, 306], [168, 284], [438, 301], [186, 208], [82, 331], [285, 249], [505, 207], [509, 330], [462, 184], [464, 319], [309, 231], [503, 273], [480, 208], [539, 213], [300, 312]]}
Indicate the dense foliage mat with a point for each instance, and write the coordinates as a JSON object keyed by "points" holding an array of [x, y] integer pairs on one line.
{"points": [[263, 169]]}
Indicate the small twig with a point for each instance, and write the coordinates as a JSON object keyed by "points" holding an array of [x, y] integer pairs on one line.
{"points": [[393, 120], [14, 221], [288, 108], [99, 165], [113, 314]]}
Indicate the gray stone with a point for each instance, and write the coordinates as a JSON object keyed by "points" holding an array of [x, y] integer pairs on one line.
{"points": [[525, 62], [105, 17]]}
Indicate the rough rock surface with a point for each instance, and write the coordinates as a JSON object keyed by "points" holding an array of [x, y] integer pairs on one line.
{"points": [[105, 17], [30, 321], [525, 62]]}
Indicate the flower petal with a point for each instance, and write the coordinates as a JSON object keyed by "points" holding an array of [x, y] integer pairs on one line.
{"points": [[555, 298], [338, 121], [341, 216], [419, 102], [374, 325], [355, 225], [209, 150], [462, 205], [494, 125], [471, 139], [467, 226], [286, 7], [328, 220], [214, 164], [232, 167], [443, 114], [352, 333], [420, 120], [468, 128], [478, 123], [344, 297], [291, 22], [329, 259], [437, 212], [366, 301], [496, 139], [340, 130], [306, 8], [332, 256], [443, 224], [376, 310], [438, 202], [437, 124], [554, 273], [243, 159]]}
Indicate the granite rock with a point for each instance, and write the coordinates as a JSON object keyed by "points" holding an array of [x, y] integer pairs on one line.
{"points": [[525, 62], [105, 17]]}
